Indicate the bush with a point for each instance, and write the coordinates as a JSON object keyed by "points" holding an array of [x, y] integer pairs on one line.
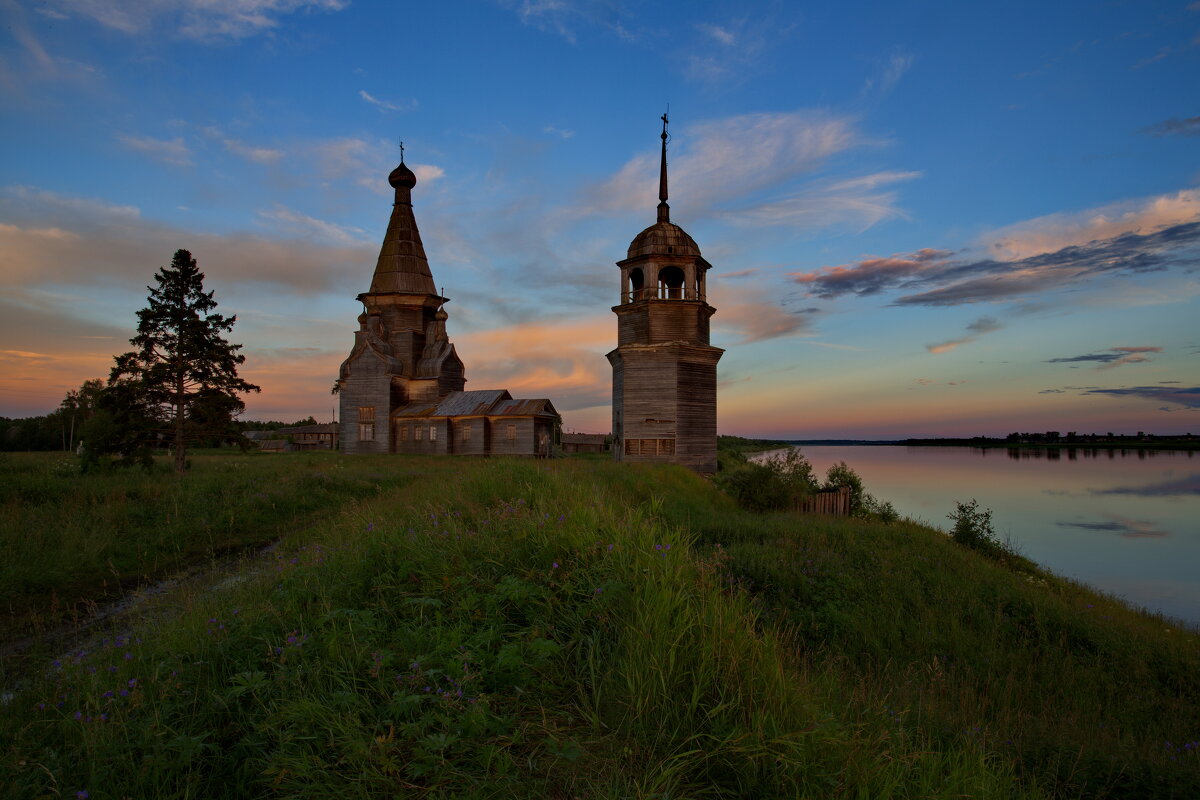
{"points": [[973, 528], [776, 483]]}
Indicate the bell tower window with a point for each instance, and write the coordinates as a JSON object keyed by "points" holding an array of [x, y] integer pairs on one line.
{"points": [[670, 283], [637, 285]]}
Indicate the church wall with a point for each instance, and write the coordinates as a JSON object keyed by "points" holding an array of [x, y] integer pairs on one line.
{"points": [[367, 386], [696, 446], [618, 401], [470, 436], [424, 435], [521, 441]]}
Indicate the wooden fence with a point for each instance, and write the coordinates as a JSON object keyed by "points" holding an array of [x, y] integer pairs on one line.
{"points": [[835, 502]]}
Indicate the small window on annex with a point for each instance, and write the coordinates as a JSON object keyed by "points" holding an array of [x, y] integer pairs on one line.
{"points": [[418, 433], [432, 433], [402, 433], [466, 432], [511, 433]]}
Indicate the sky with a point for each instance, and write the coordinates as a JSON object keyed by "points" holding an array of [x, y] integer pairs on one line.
{"points": [[924, 218]]}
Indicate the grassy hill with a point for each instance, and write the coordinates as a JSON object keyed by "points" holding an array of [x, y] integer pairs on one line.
{"points": [[493, 628]]}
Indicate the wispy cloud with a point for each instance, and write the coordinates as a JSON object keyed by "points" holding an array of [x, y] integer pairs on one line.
{"points": [[52, 239], [893, 69], [1114, 357], [168, 151], [1188, 126], [750, 316], [749, 170], [258, 155], [1048, 253], [562, 133], [387, 105], [293, 222], [979, 327], [565, 17], [871, 275], [203, 20], [1188, 397]]}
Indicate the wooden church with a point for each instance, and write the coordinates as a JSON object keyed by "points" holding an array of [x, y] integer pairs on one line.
{"points": [[402, 388], [664, 399]]}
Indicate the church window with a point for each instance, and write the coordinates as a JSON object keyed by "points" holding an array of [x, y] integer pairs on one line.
{"points": [[418, 433], [432, 433], [366, 413], [402, 433], [366, 431], [466, 432], [511, 433]]}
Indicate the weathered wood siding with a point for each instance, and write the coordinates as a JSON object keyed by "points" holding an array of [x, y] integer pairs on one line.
{"points": [[368, 385], [524, 441], [470, 436], [835, 502], [408, 442]]}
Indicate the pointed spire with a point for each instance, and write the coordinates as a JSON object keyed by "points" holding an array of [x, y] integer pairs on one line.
{"points": [[402, 265], [664, 210]]}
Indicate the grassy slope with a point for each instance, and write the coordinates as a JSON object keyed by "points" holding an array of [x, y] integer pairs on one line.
{"points": [[472, 633]]}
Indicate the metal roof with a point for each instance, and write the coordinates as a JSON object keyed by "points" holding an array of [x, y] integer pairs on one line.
{"points": [[524, 408]]}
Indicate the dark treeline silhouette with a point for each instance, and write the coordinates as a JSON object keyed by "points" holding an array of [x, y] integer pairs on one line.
{"points": [[1070, 439]]}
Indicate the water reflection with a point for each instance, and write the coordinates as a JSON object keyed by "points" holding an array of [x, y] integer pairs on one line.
{"points": [[1189, 484], [1073, 453], [1130, 528]]}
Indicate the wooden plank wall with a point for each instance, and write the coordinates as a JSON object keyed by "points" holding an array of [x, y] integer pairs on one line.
{"points": [[835, 502]]}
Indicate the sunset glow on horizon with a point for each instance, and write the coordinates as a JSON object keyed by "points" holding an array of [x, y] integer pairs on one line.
{"points": [[956, 223]]}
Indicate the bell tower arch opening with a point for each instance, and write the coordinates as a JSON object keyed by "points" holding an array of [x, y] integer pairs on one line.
{"points": [[670, 283]]}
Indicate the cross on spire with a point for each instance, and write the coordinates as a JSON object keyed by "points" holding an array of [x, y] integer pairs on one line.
{"points": [[401, 151], [664, 210]]}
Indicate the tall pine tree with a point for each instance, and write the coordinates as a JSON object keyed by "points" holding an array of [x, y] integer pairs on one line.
{"points": [[183, 372]]}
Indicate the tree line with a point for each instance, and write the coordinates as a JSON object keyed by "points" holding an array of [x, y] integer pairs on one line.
{"points": [[178, 387]]}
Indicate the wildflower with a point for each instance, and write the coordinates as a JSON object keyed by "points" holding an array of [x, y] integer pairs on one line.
{"points": [[555, 565], [82, 794]]}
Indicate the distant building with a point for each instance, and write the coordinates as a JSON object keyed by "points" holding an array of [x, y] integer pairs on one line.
{"points": [[664, 369], [402, 388], [585, 443]]}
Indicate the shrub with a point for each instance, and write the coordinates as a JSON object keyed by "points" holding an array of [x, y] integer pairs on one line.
{"points": [[776, 483], [973, 528]]}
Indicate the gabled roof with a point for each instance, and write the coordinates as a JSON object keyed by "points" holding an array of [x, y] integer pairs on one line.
{"points": [[457, 404], [524, 408]]}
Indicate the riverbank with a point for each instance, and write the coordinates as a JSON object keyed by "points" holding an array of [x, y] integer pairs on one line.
{"points": [[574, 628]]}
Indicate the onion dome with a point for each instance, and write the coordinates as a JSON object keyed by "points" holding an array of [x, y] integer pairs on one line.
{"points": [[402, 177]]}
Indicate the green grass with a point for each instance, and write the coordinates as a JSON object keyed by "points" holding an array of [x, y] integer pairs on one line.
{"points": [[69, 537], [572, 629]]}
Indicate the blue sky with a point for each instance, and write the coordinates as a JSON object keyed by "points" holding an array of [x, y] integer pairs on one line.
{"points": [[930, 218]]}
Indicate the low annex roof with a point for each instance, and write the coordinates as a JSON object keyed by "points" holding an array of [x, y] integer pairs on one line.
{"points": [[525, 408], [479, 403]]}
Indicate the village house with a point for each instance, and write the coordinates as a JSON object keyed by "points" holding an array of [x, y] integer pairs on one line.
{"points": [[402, 389]]}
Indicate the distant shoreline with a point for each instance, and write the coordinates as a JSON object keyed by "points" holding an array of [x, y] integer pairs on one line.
{"points": [[983, 442]]}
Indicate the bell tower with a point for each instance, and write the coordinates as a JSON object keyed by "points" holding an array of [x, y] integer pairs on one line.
{"points": [[664, 370]]}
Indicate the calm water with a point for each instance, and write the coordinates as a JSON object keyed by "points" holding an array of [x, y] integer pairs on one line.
{"points": [[1126, 523]]}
